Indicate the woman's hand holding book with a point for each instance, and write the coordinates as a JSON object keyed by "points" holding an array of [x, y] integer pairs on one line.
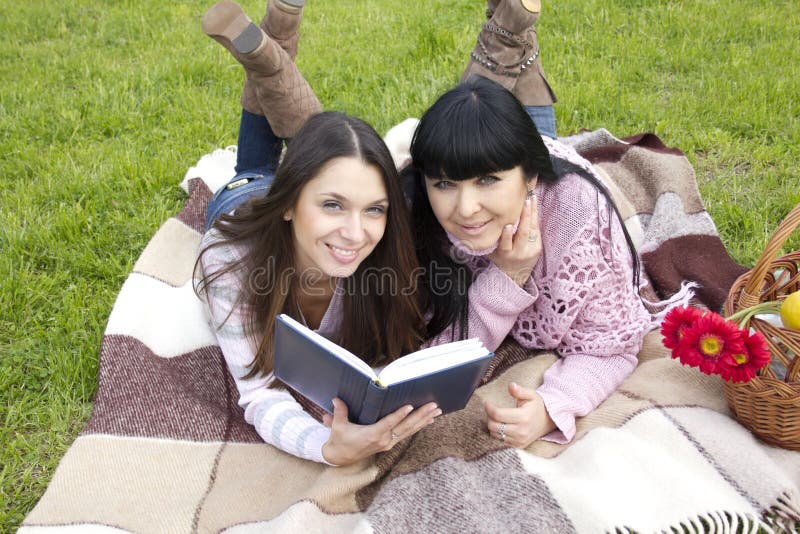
{"points": [[350, 442]]}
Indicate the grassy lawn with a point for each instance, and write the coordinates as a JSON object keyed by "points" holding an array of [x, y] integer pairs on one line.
{"points": [[104, 105]]}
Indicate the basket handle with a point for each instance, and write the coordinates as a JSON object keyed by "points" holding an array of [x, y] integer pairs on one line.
{"points": [[751, 292]]}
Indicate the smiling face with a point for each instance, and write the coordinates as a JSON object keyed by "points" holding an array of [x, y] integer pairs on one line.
{"points": [[339, 218], [477, 209]]}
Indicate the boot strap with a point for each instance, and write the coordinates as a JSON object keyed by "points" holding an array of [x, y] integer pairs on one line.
{"points": [[502, 32], [512, 71], [529, 55]]}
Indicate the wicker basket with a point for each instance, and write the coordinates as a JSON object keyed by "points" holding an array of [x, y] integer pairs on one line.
{"points": [[769, 405]]}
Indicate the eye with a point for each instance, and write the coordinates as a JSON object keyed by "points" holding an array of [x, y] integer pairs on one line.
{"points": [[332, 205], [488, 180], [443, 184], [376, 210]]}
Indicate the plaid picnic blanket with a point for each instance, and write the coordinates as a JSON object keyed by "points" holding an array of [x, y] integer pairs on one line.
{"points": [[167, 448]]}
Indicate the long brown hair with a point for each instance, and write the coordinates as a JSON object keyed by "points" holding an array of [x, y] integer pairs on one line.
{"points": [[380, 320]]}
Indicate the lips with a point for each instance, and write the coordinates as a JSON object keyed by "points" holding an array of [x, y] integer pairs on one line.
{"points": [[474, 228], [343, 256]]}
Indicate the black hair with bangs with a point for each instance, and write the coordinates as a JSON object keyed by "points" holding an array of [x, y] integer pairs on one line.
{"points": [[475, 129]]}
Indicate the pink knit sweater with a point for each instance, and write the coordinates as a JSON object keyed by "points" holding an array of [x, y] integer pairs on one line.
{"points": [[579, 301]]}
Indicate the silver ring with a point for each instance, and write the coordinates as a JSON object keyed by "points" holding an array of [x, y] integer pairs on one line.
{"points": [[533, 237], [501, 431], [395, 437]]}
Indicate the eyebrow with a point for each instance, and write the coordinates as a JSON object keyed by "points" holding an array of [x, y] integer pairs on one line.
{"points": [[342, 198]]}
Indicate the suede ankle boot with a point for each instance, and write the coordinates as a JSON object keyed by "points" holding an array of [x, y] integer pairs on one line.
{"points": [[507, 50], [282, 94]]}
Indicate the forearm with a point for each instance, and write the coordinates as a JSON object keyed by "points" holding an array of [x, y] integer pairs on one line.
{"points": [[576, 384], [495, 303], [281, 421]]}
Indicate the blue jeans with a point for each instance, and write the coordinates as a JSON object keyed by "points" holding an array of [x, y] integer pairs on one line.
{"points": [[544, 118], [257, 159]]}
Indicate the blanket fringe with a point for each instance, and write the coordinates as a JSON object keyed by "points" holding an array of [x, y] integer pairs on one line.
{"points": [[682, 297], [718, 522], [785, 515], [789, 505]]}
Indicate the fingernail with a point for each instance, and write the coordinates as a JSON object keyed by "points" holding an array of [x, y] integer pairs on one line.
{"points": [[409, 409], [437, 413]]}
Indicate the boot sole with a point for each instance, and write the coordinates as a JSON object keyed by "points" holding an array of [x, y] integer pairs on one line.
{"points": [[534, 6], [226, 20]]}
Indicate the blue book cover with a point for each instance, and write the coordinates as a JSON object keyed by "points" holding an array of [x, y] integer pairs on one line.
{"points": [[320, 370]]}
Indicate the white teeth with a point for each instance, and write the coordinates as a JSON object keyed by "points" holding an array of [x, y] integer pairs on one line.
{"points": [[343, 252]]}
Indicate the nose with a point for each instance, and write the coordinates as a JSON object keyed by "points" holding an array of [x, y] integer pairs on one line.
{"points": [[468, 202], [353, 228]]}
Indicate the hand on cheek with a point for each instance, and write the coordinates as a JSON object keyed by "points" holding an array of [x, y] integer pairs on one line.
{"points": [[517, 253]]}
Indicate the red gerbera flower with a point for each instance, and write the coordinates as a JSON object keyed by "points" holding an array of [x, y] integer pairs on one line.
{"points": [[743, 366], [676, 321], [709, 340]]}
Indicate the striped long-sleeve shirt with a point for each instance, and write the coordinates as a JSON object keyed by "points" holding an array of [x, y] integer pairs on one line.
{"points": [[274, 413]]}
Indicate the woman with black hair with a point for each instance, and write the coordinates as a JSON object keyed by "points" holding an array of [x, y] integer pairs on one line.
{"points": [[518, 236]]}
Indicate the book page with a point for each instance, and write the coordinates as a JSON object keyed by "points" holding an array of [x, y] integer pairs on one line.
{"points": [[336, 350], [432, 359]]}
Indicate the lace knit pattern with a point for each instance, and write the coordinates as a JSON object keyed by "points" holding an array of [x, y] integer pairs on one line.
{"points": [[587, 303]]}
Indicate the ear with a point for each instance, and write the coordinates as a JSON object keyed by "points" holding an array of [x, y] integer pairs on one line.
{"points": [[287, 215]]}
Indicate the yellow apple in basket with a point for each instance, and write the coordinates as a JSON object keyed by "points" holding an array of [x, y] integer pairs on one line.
{"points": [[790, 311]]}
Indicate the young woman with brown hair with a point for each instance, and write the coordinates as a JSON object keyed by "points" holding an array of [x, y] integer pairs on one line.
{"points": [[305, 237]]}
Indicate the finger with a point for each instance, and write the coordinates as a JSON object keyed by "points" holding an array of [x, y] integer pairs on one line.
{"points": [[388, 423], [506, 436], [417, 420], [505, 415], [521, 393], [339, 412], [506, 244], [533, 227], [524, 228], [327, 420], [494, 428], [534, 222]]}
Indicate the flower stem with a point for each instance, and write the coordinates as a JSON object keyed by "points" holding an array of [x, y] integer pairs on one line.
{"points": [[743, 316]]}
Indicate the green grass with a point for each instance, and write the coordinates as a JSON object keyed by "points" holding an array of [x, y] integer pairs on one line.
{"points": [[103, 106]]}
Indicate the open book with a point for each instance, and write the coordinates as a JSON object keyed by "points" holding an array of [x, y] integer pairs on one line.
{"points": [[321, 370]]}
